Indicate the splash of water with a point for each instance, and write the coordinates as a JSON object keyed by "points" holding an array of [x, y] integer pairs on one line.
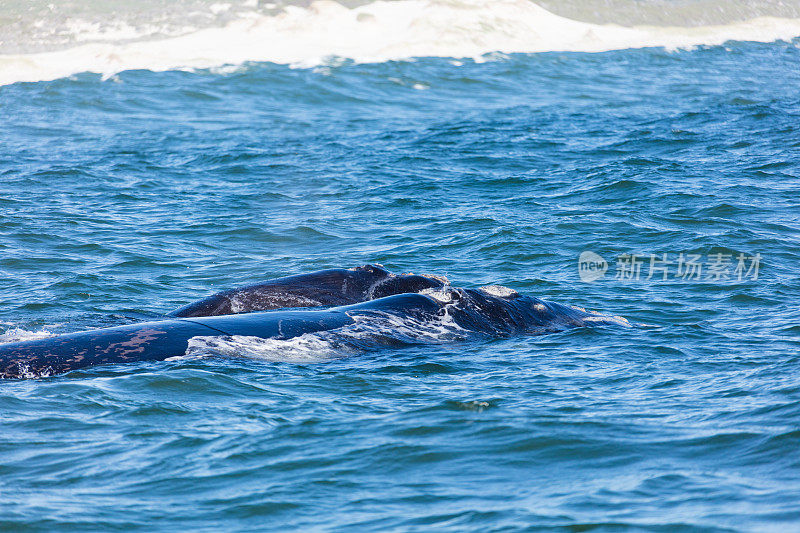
{"points": [[375, 32]]}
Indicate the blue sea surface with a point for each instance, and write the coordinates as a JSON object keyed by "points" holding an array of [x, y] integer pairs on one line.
{"points": [[122, 198]]}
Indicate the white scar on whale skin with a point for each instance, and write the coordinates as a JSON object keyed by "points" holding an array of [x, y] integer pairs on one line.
{"points": [[377, 32]]}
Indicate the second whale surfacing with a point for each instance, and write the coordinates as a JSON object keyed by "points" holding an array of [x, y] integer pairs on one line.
{"points": [[332, 287], [287, 308]]}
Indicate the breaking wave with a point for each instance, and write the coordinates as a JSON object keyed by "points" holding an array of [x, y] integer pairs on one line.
{"points": [[375, 32]]}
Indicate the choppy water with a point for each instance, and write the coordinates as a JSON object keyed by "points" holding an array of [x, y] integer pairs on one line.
{"points": [[126, 195]]}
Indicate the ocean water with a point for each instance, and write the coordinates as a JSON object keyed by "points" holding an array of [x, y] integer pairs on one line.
{"points": [[152, 153]]}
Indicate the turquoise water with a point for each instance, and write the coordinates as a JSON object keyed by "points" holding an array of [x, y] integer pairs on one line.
{"points": [[124, 197]]}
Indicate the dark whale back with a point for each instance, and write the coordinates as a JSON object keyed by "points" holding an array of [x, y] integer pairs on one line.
{"points": [[159, 340], [404, 283], [62, 353], [332, 287], [336, 286]]}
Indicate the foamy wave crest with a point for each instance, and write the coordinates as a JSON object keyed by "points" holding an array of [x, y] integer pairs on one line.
{"points": [[371, 330], [379, 31], [17, 334]]}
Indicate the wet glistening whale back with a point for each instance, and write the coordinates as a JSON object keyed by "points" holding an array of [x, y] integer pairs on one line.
{"points": [[289, 307], [331, 287]]}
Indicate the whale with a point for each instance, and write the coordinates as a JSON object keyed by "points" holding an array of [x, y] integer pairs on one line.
{"points": [[483, 312], [331, 287]]}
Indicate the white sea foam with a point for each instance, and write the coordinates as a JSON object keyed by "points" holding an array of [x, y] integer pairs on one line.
{"points": [[309, 347], [605, 319], [24, 371], [369, 330], [376, 32], [17, 334]]}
